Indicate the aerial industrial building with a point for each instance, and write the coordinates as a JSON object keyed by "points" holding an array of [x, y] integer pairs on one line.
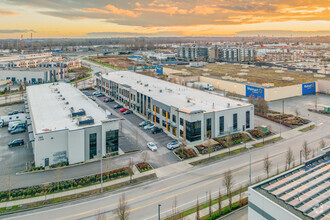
{"points": [[186, 113], [66, 126], [36, 68], [300, 193]]}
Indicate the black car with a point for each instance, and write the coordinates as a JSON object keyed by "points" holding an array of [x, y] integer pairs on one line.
{"points": [[156, 130], [92, 98], [17, 142], [117, 106]]}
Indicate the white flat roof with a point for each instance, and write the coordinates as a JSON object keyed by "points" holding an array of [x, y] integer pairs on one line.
{"points": [[173, 94], [49, 111]]}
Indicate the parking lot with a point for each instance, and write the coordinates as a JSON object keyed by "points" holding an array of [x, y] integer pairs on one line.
{"points": [[14, 159], [131, 135]]}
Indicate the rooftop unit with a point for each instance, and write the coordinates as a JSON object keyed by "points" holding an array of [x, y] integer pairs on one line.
{"points": [[79, 112], [88, 120]]}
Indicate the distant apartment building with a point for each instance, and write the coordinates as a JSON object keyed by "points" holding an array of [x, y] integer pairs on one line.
{"points": [[66, 126], [235, 54], [192, 53], [32, 68], [185, 113]]}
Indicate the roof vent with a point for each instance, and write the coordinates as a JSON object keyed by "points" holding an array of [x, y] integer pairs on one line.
{"points": [[121, 76], [67, 103], [63, 98], [228, 105], [146, 85], [58, 92], [160, 91], [88, 120], [80, 112]]}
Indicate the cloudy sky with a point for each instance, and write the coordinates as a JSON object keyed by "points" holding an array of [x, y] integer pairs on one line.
{"points": [[107, 18]]}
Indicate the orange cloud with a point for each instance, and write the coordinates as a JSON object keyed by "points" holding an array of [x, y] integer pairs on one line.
{"points": [[113, 9], [168, 10], [5, 12]]}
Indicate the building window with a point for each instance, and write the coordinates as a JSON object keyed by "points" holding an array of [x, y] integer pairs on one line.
{"points": [[222, 125], [181, 121], [157, 120], [163, 113], [92, 146], [193, 131], [208, 127], [174, 118], [235, 122], [111, 141], [247, 115], [164, 123], [174, 131]]}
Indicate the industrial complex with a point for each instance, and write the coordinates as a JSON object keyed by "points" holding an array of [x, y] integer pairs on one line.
{"points": [[36, 68], [186, 113], [66, 126], [301, 193]]}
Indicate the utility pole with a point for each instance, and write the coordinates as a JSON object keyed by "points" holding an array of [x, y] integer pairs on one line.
{"points": [[159, 205], [101, 173]]}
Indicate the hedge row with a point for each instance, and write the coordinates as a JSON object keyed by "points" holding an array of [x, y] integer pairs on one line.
{"points": [[54, 187]]}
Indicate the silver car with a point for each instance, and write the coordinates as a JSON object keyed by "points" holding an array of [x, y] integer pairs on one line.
{"points": [[149, 126], [173, 145], [152, 146]]}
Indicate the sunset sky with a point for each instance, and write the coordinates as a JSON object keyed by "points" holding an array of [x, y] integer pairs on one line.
{"points": [[121, 18]]}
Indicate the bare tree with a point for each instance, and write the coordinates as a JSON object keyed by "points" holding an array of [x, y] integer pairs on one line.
{"points": [[100, 215], [122, 209], [313, 153], [289, 158], [277, 170], [130, 169], [197, 210], [297, 112], [209, 147], [219, 202], [306, 151], [322, 143], [210, 203], [144, 156], [229, 142], [262, 134], [240, 191], [175, 205], [267, 165], [228, 182]]}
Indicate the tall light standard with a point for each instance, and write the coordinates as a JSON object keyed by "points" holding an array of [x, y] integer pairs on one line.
{"points": [[281, 118], [248, 147], [300, 155], [159, 205], [101, 172]]}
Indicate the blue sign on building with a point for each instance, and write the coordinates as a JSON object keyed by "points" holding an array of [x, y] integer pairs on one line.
{"points": [[308, 88], [255, 91], [159, 70]]}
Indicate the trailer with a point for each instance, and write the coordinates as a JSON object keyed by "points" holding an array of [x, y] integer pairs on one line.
{"points": [[5, 120]]}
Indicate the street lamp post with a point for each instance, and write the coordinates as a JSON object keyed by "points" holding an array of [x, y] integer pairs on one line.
{"points": [[101, 173], [300, 156], [248, 147], [159, 205]]}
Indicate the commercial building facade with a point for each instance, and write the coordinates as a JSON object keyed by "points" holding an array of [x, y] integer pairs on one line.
{"points": [[300, 193], [235, 54], [65, 126], [190, 114]]}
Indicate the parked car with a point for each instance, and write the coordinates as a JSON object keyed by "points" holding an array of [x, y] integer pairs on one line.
{"points": [[117, 106], [149, 126], [99, 95], [18, 130], [122, 110], [106, 99], [17, 142], [92, 98], [128, 112], [15, 112], [144, 123], [152, 146], [173, 145], [96, 92], [156, 130]]}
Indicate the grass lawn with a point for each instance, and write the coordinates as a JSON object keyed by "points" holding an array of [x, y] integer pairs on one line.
{"points": [[267, 142], [307, 128]]}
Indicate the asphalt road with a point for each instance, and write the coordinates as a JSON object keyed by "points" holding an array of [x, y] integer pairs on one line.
{"points": [[143, 199]]}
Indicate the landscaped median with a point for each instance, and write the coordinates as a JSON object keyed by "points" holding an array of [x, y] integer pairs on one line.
{"points": [[35, 196]]}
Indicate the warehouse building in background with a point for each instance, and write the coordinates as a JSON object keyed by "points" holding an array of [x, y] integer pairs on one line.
{"points": [[300, 193], [66, 126], [189, 114]]}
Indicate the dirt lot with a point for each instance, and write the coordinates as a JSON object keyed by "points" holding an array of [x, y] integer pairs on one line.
{"points": [[250, 73], [117, 61]]}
